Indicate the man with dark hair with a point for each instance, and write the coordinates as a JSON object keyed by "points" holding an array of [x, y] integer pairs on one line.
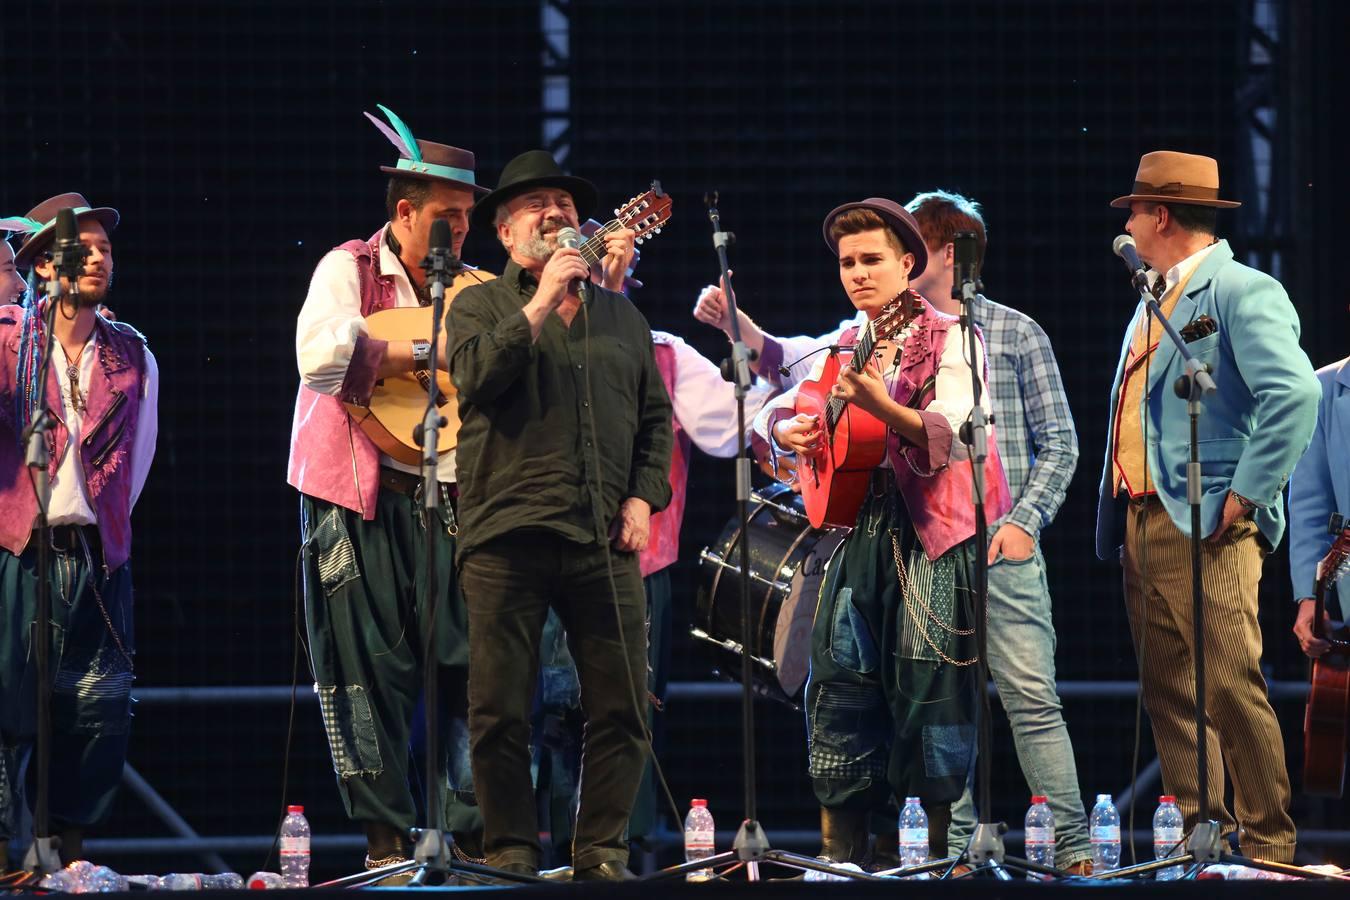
{"points": [[565, 444], [363, 521], [1253, 429], [1039, 449], [101, 393]]}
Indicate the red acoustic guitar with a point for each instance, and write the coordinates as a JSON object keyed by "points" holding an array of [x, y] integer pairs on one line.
{"points": [[834, 484], [1328, 715]]}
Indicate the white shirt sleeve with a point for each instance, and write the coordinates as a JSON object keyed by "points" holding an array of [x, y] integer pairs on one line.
{"points": [[329, 323], [147, 428], [953, 399], [705, 402]]}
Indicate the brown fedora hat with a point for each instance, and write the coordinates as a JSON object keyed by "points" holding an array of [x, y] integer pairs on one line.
{"points": [[1166, 176], [901, 221], [44, 215], [426, 160]]}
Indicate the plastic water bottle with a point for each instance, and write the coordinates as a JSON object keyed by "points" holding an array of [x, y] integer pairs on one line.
{"points": [[699, 833], [1040, 836], [1105, 829], [295, 848], [264, 881], [913, 834], [1168, 825]]}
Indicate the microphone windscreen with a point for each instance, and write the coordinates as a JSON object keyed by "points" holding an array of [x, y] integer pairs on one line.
{"points": [[66, 229], [569, 237], [440, 235]]}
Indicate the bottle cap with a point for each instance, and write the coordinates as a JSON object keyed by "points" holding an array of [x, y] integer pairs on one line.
{"points": [[909, 800], [698, 803], [298, 810], [1103, 798], [1167, 798], [1038, 798]]}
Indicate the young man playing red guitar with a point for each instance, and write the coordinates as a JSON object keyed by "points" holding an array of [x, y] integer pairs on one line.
{"points": [[891, 701]]}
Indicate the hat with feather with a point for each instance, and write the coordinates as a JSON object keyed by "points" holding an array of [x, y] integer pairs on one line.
{"points": [[425, 160], [40, 224]]}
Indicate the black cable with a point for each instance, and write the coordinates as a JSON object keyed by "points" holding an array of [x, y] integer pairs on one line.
{"points": [[295, 682], [609, 568]]}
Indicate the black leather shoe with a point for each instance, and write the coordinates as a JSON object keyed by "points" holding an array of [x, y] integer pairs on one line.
{"points": [[606, 871]]}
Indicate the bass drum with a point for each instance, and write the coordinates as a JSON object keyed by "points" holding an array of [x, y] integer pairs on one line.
{"points": [[787, 566]]}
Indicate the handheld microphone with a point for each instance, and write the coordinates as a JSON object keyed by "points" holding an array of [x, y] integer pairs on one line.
{"points": [[571, 238], [1123, 246]]}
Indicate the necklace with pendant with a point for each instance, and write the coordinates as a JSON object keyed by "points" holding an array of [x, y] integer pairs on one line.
{"points": [[73, 376]]}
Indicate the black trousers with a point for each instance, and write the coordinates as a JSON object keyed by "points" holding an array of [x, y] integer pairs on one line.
{"points": [[509, 584]]}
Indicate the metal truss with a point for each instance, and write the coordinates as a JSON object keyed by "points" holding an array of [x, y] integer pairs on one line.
{"points": [[555, 28], [1266, 163]]}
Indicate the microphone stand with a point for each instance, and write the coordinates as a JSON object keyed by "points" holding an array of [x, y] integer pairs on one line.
{"points": [[432, 863], [43, 857], [985, 851], [751, 846], [1206, 844]]}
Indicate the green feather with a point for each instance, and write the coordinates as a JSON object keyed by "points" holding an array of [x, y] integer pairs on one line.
{"points": [[21, 224], [403, 131]]}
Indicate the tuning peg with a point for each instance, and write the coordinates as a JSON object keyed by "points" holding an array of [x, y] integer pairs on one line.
{"points": [[637, 240]]}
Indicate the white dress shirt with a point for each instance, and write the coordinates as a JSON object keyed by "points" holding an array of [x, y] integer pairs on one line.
{"points": [[70, 504], [705, 403]]}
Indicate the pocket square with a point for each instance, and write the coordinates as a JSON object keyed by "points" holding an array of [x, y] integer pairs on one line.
{"points": [[1194, 330]]}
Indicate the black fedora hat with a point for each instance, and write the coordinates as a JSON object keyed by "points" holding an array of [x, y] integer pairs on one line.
{"points": [[43, 221], [426, 160], [900, 220], [534, 169]]}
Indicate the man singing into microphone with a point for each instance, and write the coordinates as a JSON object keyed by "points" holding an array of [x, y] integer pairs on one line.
{"points": [[1252, 431], [362, 515], [564, 452], [101, 393]]}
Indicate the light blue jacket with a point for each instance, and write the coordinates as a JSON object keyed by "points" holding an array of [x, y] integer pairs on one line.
{"points": [[1320, 485], [1252, 430]]}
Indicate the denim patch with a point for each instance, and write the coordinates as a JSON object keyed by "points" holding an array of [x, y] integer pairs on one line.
{"points": [[850, 728], [337, 556], [851, 643], [95, 698], [948, 749], [351, 730]]}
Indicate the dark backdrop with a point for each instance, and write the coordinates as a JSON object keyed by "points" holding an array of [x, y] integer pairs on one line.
{"points": [[230, 137]]}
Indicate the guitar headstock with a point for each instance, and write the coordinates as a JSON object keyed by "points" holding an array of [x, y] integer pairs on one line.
{"points": [[646, 213], [896, 315]]}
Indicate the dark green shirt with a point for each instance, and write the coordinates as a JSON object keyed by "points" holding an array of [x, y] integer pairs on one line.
{"points": [[527, 455]]}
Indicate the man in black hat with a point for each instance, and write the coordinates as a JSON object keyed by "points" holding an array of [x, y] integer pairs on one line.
{"points": [[100, 391], [556, 493], [362, 516]]}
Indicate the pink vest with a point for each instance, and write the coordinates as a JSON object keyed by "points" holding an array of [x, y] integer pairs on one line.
{"points": [[663, 546], [108, 430], [331, 458]]}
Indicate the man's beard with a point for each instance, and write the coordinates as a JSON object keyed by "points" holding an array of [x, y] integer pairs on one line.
{"points": [[543, 241], [97, 295]]}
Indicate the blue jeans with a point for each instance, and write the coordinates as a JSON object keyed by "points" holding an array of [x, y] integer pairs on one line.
{"points": [[1022, 661]]}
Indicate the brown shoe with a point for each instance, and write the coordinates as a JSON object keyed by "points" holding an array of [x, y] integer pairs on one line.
{"points": [[843, 835], [1082, 868]]}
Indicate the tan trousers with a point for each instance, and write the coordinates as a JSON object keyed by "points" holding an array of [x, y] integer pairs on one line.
{"points": [[1242, 732]]}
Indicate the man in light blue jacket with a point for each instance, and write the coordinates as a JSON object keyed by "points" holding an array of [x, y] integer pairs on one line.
{"points": [[1252, 431], [1319, 487]]}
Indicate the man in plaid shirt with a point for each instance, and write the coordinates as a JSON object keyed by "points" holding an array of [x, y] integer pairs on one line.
{"points": [[1039, 447]]}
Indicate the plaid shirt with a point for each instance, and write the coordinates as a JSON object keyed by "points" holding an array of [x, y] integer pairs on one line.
{"points": [[1036, 437]]}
